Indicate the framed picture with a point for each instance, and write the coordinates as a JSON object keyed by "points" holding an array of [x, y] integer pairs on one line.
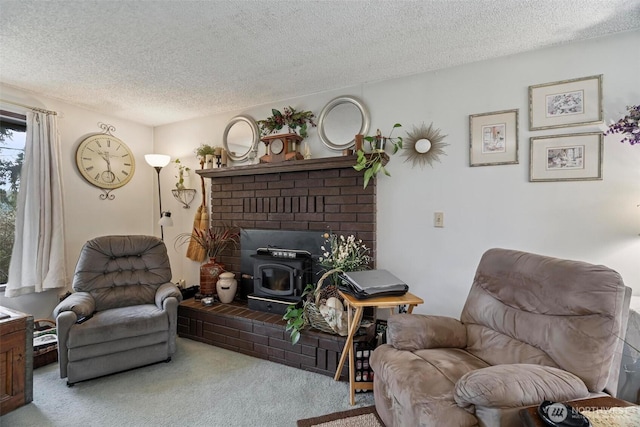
{"points": [[573, 157], [574, 102], [493, 138]]}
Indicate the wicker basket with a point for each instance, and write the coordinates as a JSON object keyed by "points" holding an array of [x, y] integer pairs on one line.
{"points": [[47, 354], [311, 306]]}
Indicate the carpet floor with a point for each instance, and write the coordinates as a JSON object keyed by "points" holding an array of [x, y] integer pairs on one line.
{"points": [[359, 417], [202, 386]]}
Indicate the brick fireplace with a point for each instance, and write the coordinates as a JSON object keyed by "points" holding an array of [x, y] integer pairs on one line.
{"points": [[306, 195], [316, 195]]}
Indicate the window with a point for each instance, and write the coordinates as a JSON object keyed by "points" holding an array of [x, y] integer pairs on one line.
{"points": [[13, 129]]}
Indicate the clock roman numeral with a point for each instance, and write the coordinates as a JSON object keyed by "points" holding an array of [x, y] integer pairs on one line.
{"points": [[125, 173], [90, 168], [98, 143], [125, 155], [86, 158], [97, 177], [127, 164], [108, 143]]}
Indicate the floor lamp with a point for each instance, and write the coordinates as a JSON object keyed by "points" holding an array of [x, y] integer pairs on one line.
{"points": [[158, 161]]}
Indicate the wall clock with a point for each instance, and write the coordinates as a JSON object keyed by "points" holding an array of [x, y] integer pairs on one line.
{"points": [[105, 161]]}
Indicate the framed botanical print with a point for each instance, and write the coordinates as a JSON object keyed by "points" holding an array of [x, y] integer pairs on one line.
{"points": [[493, 138], [572, 157], [566, 103]]}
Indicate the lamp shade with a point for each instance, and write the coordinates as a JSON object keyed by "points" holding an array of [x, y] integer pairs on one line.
{"points": [[157, 160], [165, 219]]}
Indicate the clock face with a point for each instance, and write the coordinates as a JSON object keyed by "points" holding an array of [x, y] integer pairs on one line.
{"points": [[276, 146], [105, 161]]}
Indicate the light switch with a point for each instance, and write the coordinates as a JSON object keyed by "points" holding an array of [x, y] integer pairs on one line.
{"points": [[438, 219]]}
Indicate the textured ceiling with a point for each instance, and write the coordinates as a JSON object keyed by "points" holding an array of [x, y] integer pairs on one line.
{"points": [[156, 62]]}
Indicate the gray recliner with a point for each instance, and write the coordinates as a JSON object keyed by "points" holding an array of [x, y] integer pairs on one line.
{"points": [[123, 290], [533, 328]]}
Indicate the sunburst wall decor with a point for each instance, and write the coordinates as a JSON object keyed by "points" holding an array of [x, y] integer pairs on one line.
{"points": [[424, 145]]}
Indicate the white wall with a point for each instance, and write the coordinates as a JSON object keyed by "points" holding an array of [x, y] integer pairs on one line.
{"points": [[484, 207], [493, 206], [86, 216]]}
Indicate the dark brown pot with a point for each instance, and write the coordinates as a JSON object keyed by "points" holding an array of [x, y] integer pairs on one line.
{"points": [[209, 273]]}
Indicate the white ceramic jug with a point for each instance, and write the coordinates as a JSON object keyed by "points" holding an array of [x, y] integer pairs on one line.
{"points": [[226, 286]]}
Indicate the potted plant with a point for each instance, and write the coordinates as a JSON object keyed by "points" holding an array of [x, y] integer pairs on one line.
{"points": [[205, 153], [214, 241], [181, 173], [374, 162], [204, 150], [290, 118]]}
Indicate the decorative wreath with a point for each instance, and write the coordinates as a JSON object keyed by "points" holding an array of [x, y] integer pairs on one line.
{"points": [[424, 145]]}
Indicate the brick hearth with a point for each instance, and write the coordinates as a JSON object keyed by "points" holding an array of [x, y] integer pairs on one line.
{"points": [[237, 328]]}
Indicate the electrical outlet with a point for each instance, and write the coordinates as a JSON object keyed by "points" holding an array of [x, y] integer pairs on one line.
{"points": [[438, 219]]}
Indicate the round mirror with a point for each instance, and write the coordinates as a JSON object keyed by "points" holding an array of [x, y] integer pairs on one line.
{"points": [[340, 120], [423, 145], [240, 136]]}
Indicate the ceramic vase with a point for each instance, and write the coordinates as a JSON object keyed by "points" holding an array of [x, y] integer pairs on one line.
{"points": [[209, 273], [226, 287], [209, 161]]}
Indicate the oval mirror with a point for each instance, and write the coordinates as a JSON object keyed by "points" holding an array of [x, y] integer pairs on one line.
{"points": [[240, 136], [340, 120]]}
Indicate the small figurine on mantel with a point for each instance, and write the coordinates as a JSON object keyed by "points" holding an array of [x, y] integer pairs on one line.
{"points": [[307, 151]]}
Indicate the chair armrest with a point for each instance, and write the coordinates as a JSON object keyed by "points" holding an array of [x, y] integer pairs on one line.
{"points": [[516, 385], [81, 303], [166, 291], [412, 332]]}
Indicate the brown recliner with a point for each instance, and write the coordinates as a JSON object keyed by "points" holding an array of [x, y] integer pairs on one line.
{"points": [[123, 288], [532, 328]]}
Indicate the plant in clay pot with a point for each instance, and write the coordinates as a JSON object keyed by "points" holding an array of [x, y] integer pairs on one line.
{"points": [[214, 241], [373, 162]]}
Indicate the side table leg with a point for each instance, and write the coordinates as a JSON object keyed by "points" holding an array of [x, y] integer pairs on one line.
{"points": [[348, 345]]}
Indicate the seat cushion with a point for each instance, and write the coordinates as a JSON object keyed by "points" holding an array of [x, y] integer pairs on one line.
{"points": [[517, 385], [117, 324], [421, 383]]}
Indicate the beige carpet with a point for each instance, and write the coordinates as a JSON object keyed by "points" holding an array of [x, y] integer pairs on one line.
{"points": [[359, 417]]}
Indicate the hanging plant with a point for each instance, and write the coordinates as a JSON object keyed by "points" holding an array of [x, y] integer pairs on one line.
{"points": [[374, 162]]}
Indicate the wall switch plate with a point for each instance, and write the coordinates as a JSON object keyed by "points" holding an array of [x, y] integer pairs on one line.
{"points": [[438, 219]]}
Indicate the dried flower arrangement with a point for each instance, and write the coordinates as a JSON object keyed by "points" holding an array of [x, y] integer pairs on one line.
{"points": [[290, 118], [628, 126]]}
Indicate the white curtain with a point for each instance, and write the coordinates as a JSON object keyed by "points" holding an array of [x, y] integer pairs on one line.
{"points": [[38, 258]]}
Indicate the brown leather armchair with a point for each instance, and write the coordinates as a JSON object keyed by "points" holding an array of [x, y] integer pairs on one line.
{"points": [[533, 328], [123, 289]]}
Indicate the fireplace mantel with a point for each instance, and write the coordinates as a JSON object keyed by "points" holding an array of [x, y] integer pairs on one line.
{"points": [[324, 163]]}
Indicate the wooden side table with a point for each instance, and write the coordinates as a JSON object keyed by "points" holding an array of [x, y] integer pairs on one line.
{"points": [[16, 359], [353, 322], [529, 415]]}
